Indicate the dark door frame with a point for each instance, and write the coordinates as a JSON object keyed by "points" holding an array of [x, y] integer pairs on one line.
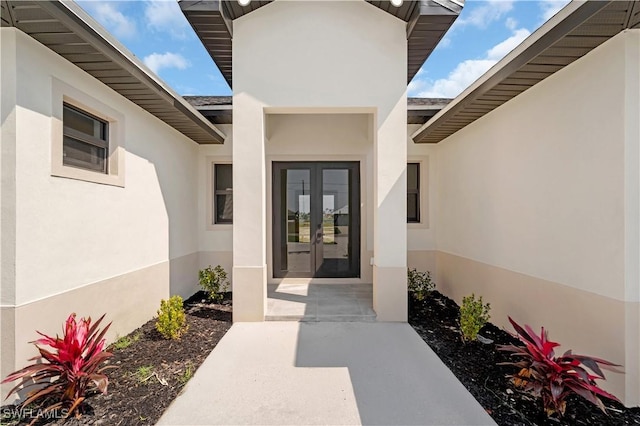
{"points": [[279, 230]]}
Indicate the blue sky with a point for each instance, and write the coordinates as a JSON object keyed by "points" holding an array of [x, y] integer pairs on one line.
{"points": [[157, 32]]}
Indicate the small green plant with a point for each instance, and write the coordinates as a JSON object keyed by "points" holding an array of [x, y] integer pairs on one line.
{"points": [[126, 341], [419, 283], [214, 282], [144, 372], [171, 322], [473, 316], [187, 374]]}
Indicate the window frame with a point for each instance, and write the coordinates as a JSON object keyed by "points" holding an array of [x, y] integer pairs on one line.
{"points": [[424, 193], [210, 224], [86, 138], [216, 192], [65, 94], [415, 191]]}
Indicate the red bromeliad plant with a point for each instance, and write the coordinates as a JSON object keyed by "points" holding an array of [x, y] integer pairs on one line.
{"points": [[63, 376], [554, 378]]}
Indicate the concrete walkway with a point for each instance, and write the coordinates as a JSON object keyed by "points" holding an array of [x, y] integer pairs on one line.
{"points": [[297, 373]]}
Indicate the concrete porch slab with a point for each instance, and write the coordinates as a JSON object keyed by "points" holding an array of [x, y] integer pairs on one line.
{"points": [[285, 373], [320, 302]]}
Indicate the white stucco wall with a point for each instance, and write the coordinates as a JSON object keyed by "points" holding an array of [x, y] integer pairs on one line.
{"points": [[7, 167], [73, 245], [537, 186], [325, 137], [215, 241], [537, 208], [71, 233], [319, 57], [421, 237]]}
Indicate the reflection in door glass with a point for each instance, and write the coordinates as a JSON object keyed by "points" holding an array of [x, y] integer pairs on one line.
{"points": [[298, 225], [335, 222]]}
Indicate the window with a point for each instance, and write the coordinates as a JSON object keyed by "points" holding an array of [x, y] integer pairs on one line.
{"points": [[87, 136], [413, 193], [85, 142], [223, 193]]}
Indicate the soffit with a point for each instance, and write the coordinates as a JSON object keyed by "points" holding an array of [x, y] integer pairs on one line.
{"points": [[427, 22], [67, 30], [576, 30]]}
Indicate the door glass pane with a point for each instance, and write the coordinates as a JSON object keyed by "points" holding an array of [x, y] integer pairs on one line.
{"points": [[298, 220], [335, 222]]}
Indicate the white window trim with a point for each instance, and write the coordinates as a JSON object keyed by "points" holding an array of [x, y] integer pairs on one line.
{"points": [[64, 93], [210, 217], [423, 164]]}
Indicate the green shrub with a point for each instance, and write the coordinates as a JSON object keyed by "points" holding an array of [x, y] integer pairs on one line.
{"points": [[419, 283], [473, 316], [171, 322], [214, 282]]}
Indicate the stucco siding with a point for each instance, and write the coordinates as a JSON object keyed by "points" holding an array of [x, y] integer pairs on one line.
{"points": [[72, 245], [540, 188], [70, 232], [421, 237], [300, 58]]}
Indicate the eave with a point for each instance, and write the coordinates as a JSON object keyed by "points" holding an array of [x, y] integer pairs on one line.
{"points": [[572, 33], [219, 109], [427, 22], [70, 32]]}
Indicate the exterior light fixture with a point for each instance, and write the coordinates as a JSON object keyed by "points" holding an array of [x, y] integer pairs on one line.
{"points": [[246, 2], [396, 3]]}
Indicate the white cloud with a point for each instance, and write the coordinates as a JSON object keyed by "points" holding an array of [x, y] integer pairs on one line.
{"points": [[488, 12], [158, 61], [511, 23], [165, 16], [460, 78], [445, 42], [501, 49], [551, 7], [109, 16], [465, 72]]}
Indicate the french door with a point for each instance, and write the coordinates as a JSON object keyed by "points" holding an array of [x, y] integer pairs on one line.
{"points": [[316, 219]]}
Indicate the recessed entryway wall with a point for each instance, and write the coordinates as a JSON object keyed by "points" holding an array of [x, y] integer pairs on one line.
{"points": [[323, 138]]}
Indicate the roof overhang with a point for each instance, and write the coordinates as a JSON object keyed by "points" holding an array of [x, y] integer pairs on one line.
{"points": [[68, 30], [219, 109], [572, 33], [427, 22]]}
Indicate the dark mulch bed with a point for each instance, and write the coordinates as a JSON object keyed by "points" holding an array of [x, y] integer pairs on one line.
{"points": [[436, 319], [136, 400]]}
